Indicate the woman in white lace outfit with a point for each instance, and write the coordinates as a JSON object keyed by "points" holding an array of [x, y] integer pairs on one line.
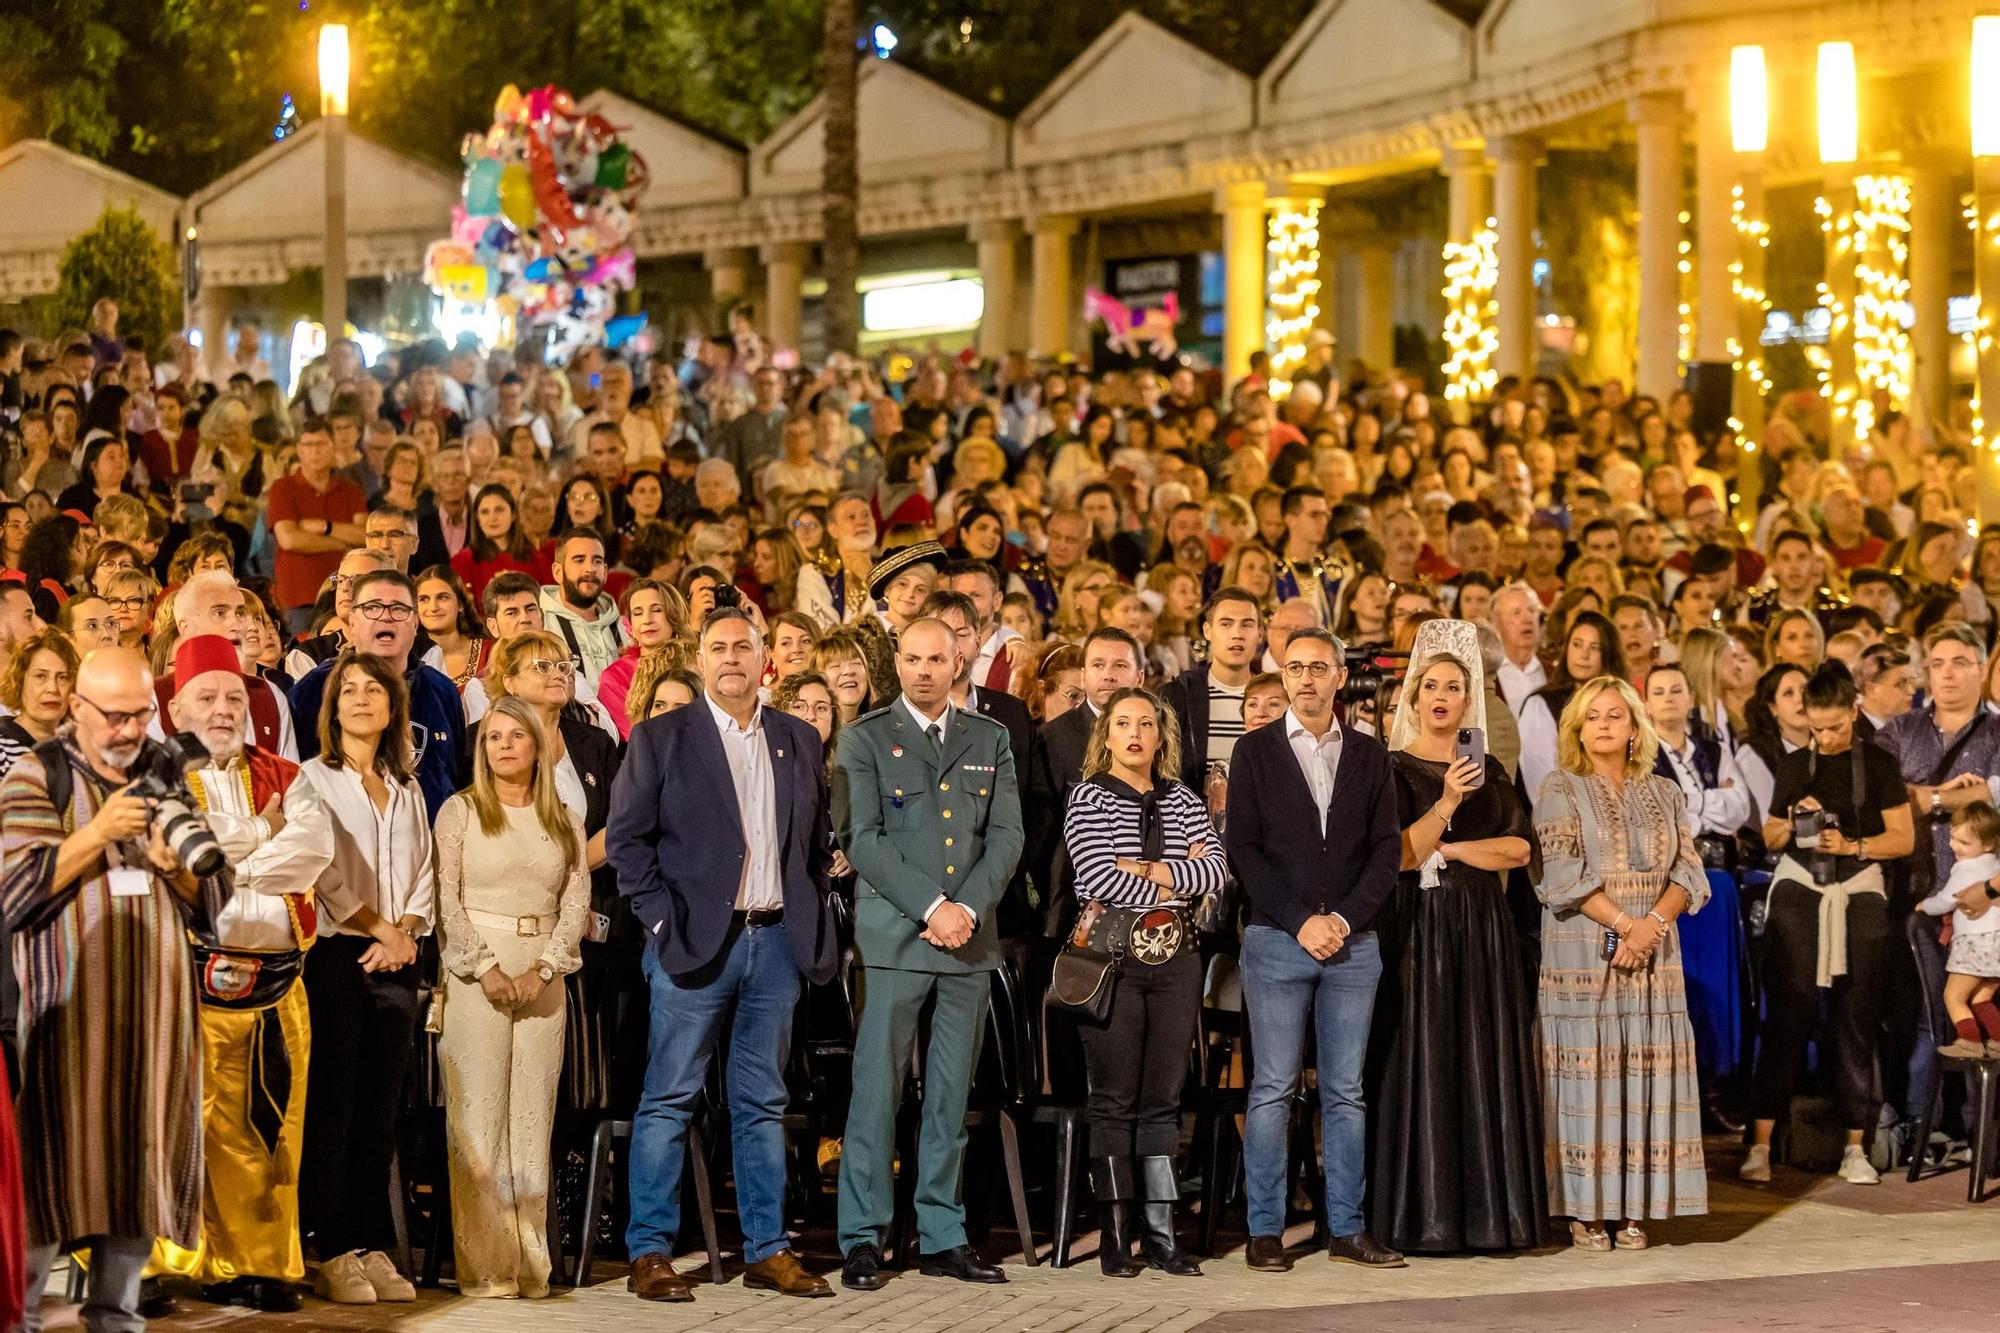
{"points": [[513, 893]]}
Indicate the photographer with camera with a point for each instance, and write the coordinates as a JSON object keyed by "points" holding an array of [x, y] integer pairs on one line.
{"points": [[110, 1097], [278, 837], [1837, 810]]}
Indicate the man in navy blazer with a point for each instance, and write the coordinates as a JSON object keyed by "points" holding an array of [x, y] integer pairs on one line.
{"points": [[720, 837], [1315, 841]]}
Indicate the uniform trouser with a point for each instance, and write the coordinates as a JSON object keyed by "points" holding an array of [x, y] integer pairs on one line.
{"points": [[501, 1068], [1791, 1002], [364, 1029], [1138, 1058], [250, 1196], [891, 1003], [116, 1267]]}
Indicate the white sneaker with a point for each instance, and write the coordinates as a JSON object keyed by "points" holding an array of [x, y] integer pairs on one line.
{"points": [[341, 1281], [382, 1275], [1856, 1169], [1756, 1164]]}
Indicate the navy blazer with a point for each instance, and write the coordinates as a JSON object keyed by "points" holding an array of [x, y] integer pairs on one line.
{"points": [[1288, 868], [676, 839]]}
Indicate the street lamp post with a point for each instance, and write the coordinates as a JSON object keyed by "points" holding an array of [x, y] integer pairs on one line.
{"points": [[333, 71], [1986, 256]]}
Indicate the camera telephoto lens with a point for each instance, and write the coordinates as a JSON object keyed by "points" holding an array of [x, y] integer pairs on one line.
{"points": [[188, 837]]}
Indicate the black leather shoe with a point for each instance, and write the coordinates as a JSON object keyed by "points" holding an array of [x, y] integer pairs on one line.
{"points": [[1158, 1245], [963, 1263], [266, 1294], [1362, 1248], [1266, 1254], [155, 1301], [863, 1270]]}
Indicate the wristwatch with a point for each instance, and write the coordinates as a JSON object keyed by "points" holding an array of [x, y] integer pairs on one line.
{"points": [[1937, 804], [545, 972]]}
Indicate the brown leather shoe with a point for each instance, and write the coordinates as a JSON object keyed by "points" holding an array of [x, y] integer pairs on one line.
{"points": [[1266, 1254], [654, 1279], [783, 1274]]}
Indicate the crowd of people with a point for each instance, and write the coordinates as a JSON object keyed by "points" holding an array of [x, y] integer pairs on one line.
{"points": [[526, 741]]}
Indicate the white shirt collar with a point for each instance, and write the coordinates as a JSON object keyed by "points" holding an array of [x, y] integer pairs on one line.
{"points": [[942, 721], [1295, 729], [727, 724]]}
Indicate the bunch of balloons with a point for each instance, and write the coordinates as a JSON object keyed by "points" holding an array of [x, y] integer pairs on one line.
{"points": [[542, 231]]}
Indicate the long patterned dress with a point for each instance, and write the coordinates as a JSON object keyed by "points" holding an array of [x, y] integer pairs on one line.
{"points": [[110, 1109], [1620, 1102]]}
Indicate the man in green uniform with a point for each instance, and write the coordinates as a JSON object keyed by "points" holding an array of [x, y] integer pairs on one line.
{"points": [[928, 811]]}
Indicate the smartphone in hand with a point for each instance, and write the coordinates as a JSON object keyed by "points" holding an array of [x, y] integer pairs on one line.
{"points": [[1471, 744]]}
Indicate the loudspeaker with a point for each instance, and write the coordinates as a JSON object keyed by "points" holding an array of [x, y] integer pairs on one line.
{"points": [[1709, 384]]}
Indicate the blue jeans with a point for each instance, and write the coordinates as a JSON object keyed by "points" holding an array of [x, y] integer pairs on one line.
{"points": [[1284, 987], [757, 983]]}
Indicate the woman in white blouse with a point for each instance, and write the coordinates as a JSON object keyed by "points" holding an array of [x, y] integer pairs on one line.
{"points": [[378, 896], [513, 895]]}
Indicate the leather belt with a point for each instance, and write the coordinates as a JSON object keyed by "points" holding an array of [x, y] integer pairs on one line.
{"points": [[758, 920], [527, 927]]}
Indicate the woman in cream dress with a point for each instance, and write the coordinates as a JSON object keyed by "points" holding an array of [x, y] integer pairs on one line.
{"points": [[512, 895]]}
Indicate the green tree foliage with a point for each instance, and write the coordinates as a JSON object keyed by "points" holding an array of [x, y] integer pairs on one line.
{"points": [[119, 257]]}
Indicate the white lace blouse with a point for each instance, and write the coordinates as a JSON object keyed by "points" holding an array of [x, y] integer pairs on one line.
{"points": [[519, 872]]}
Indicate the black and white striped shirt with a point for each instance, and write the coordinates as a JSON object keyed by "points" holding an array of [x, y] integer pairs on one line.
{"points": [[1225, 721], [1101, 824]]}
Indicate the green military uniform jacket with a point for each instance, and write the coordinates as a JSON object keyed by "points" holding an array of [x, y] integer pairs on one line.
{"points": [[915, 825]]}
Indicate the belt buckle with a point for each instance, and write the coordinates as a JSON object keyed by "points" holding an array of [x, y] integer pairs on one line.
{"points": [[527, 927]]}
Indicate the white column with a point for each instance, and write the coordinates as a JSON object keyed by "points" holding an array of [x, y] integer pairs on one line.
{"points": [[1986, 278], [1375, 306], [1657, 119], [1469, 179], [1054, 302], [1243, 251], [728, 274], [1515, 159], [998, 241], [784, 291], [1714, 228], [1934, 228]]}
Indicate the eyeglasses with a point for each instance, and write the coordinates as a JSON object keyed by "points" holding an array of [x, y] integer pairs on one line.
{"points": [[119, 721], [808, 711], [541, 666], [394, 613], [1300, 670], [392, 535], [126, 603], [1071, 693]]}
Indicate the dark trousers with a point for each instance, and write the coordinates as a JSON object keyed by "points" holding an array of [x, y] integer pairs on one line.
{"points": [[364, 1027], [1791, 1003], [1138, 1058]]}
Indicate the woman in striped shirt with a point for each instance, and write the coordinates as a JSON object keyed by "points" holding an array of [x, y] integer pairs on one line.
{"points": [[1143, 853]]}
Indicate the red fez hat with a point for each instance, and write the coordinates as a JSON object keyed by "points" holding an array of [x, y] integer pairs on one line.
{"points": [[202, 653], [81, 517]]}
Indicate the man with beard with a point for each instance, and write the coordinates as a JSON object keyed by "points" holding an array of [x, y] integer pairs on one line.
{"points": [[383, 623], [211, 603], [841, 597], [579, 609], [256, 1034], [110, 1084]]}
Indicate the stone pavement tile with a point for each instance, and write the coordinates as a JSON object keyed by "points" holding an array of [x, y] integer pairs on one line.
{"points": [[1945, 1298]]}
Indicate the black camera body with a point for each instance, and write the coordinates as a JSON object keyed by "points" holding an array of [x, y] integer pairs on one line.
{"points": [[1807, 825], [162, 781]]}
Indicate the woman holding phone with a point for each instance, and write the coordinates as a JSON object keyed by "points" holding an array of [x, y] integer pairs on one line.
{"points": [[1453, 1087]]}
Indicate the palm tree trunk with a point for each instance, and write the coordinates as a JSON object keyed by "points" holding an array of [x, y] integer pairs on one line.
{"points": [[840, 249]]}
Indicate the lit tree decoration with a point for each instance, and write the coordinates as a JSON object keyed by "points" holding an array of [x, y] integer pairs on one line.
{"points": [[288, 119], [1883, 360], [1292, 289], [1753, 304], [1471, 333]]}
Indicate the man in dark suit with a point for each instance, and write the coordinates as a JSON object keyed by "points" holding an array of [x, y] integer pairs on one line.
{"points": [[1314, 840], [444, 524], [961, 617], [718, 833], [1209, 699], [1112, 661], [929, 814]]}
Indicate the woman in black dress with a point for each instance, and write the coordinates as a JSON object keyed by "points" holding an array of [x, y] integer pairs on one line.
{"points": [[1454, 1095]]}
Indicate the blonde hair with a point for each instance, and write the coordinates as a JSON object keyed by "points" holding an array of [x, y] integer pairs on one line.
{"points": [[484, 797], [1069, 620], [1982, 819], [1166, 759], [511, 656], [1639, 754], [1702, 653], [122, 518]]}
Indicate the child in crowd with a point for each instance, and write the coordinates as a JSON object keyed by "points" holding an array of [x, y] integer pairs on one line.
{"points": [[1973, 967]]}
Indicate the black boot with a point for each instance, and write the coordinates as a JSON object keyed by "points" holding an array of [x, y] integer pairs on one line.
{"points": [[1116, 1191], [1157, 1244]]}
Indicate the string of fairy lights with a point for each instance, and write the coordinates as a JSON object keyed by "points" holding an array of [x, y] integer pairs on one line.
{"points": [[1293, 285], [1883, 357], [1471, 324]]}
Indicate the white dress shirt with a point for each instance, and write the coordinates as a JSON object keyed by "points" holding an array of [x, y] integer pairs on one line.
{"points": [[1538, 746], [381, 858], [761, 888], [268, 867], [1517, 683], [942, 723], [1721, 809], [1319, 759]]}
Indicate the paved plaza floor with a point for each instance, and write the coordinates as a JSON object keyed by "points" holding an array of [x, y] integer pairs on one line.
{"points": [[1805, 1252]]}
